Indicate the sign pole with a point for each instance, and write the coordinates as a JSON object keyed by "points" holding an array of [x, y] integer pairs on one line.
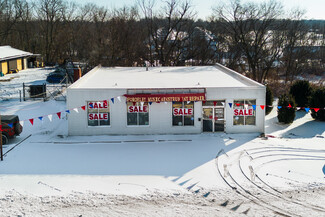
{"points": [[1, 151]]}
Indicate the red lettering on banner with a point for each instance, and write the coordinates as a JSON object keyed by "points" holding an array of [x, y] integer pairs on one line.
{"points": [[243, 112], [165, 97]]}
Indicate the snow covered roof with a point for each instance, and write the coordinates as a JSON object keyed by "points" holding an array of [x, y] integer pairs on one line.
{"points": [[7, 53], [163, 77]]}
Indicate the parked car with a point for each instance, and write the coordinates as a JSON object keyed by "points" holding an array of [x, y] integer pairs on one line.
{"points": [[10, 127], [58, 76]]}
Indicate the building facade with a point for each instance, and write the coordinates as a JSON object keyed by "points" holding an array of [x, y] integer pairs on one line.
{"points": [[165, 100], [12, 59]]}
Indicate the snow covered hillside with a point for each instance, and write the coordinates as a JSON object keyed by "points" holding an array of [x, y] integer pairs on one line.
{"points": [[52, 174]]}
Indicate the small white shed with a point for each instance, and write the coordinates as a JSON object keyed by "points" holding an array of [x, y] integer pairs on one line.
{"points": [[165, 100]]}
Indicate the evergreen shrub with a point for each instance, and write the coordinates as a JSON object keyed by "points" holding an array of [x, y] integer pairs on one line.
{"points": [[268, 100], [301, 91], [318, 101], [286, 115]]}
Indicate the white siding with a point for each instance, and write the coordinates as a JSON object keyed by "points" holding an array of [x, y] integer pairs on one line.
{"points": [[160, 114]]}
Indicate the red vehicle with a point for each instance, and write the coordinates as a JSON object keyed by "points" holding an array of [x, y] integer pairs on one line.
{"points": [[10, 127]]}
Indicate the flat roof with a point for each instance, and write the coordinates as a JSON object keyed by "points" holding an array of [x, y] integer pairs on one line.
{"points": [[7, 53], [163, 77]]}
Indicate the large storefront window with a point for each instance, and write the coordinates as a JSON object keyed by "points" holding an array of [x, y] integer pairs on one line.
{"points": [[98, 113], [138, 113], [183, 113], [244, 113]]}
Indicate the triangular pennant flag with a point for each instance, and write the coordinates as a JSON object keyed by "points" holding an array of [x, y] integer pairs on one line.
{"points": [[289, 105], [67, 111], [105, 101], [50, 117], [119, 98], [150, 103], [215, 103], [223, 104], [59, 114], [254, 107], [112, 99], [91, 105], [307, 109], [134, 103], [1, 128], [21, 123], [83, 107], [41, 118], [262, 107], [316, 109], [230, 105], [76, 110], [31, 121], [141, 103], [246, 106], [298, 108], [279, 107], [237, 104], [188, 102], [10, 125]]}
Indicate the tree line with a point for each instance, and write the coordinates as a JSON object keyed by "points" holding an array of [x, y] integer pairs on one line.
{"points": [[260, 40]]}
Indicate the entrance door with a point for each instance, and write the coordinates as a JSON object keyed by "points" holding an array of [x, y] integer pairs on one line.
{"points": [[207, 119], [213, 117]]}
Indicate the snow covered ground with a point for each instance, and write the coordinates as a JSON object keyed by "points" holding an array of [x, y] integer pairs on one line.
{"points": [[51, 174]]}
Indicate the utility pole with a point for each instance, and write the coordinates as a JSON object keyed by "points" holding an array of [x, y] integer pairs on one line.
{"points": [[1, 151]]}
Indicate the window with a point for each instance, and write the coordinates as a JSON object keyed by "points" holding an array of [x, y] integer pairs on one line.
{"points": [[98, 113], [137, 113], [244, 113], [183, 113]]}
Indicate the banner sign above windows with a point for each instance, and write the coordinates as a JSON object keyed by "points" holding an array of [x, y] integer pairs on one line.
{"points": [[182, 111], [138, 109], [165, 97], [243, 112]]}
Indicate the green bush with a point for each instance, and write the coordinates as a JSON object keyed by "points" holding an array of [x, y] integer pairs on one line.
{"points": [[286, 115], [301, 91], [268, 100], [318, 101]]}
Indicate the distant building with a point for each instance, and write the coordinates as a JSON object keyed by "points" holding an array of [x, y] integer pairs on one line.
{"points": [[11, 59], [165, 100]]}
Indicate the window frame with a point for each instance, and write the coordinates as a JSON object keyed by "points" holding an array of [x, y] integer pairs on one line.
{"points": [[98, 112], [244, 116], [183, 116], [137, 114]]}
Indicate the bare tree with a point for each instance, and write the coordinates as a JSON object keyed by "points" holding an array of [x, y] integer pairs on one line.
{"points": [[166, 30], [251, 27]]}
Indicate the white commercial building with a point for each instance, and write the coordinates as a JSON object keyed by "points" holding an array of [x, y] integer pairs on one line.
{"points": [[165, 100]]}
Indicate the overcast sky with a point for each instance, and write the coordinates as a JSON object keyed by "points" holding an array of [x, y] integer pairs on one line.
{"points": [[315, 9]]}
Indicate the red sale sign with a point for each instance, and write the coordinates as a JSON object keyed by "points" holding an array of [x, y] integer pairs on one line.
{"points": [[138, 109], [243, 112], [182, 111], [98, 116], [96, 105]]}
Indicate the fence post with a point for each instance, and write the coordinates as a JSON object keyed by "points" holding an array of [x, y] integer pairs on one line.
{"points": [[19, 95], [24, 91]]}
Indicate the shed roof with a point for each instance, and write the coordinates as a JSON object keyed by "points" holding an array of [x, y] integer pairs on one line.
{"points": [[7, 53], [163, 77]]}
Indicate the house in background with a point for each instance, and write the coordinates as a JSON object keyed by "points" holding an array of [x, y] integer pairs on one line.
{"points": [[12, 59]]}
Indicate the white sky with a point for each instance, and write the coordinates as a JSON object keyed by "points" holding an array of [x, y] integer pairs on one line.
{"points": [[315, 9]]}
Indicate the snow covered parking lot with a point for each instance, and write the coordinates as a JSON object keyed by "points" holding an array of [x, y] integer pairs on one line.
{"points": [[52, 174]]}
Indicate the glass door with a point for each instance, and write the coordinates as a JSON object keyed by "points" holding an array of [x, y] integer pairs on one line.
{"points": [[219, 119], [207, 119], [213, 116]]}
